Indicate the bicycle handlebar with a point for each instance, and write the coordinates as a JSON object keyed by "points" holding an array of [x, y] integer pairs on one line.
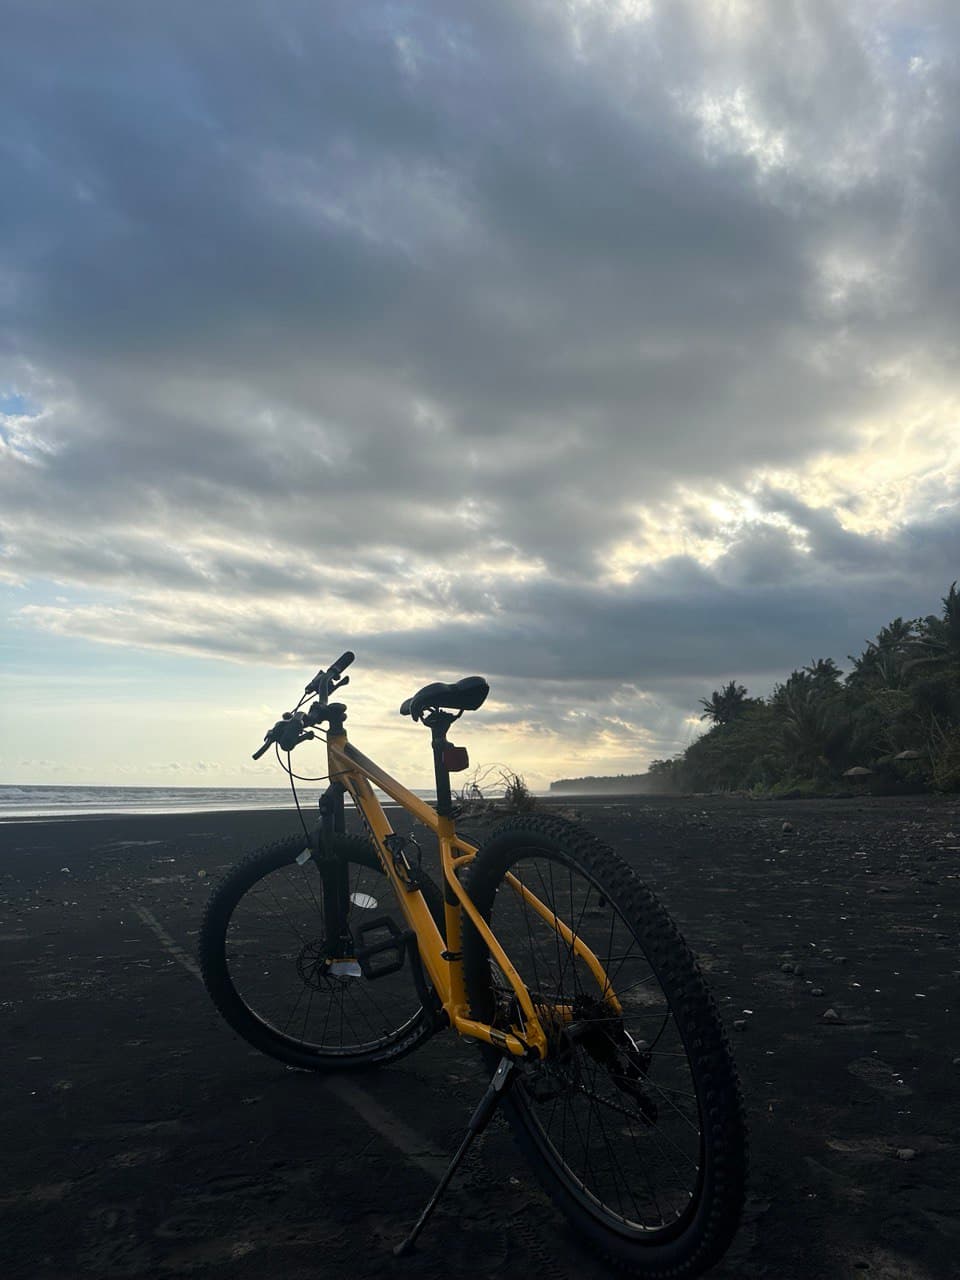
{"points": [[292, 728], [337, 668], [331, 675]]}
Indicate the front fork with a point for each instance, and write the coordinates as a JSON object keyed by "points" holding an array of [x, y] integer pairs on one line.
{"points": [[334, 874]]}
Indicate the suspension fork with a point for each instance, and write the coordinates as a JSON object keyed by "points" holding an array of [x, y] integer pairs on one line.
{"points": [[334, 876]]}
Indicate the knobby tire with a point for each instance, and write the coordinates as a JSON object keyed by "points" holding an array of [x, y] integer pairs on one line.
{"points": [[682, 1105]]}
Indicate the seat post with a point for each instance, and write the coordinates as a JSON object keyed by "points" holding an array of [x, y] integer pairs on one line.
{"points": [[439, 722]]}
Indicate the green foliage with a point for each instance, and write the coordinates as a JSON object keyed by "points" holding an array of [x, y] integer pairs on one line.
{"points": [[737, 755], [884, 723], [824, 673], [901, 695], [797, 788], [945, 761], [662, 767], [886, 661], [726, 704]]}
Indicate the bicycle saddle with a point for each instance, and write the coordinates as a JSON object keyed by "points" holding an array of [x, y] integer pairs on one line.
{"points": [[466, 695]]}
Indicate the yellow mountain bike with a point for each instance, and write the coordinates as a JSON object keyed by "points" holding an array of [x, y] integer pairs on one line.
{"points": [[606, 1052]]}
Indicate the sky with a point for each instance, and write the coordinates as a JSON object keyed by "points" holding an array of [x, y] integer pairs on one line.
{"points": [[608, 350]]}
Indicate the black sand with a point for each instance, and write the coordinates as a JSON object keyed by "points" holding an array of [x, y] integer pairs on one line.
{"points": [[142, 1138]]}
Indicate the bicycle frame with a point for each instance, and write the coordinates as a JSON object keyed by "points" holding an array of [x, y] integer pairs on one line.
{"points": [[442, 959]]}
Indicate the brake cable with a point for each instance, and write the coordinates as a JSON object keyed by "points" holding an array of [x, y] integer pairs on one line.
{"points": [[299, 776], [296, 798]]}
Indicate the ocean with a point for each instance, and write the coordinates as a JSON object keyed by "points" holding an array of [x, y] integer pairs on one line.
{"points": [[66, 802]]}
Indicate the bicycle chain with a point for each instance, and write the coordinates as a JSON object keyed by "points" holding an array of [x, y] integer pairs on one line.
{"points": [[614, 1106]]}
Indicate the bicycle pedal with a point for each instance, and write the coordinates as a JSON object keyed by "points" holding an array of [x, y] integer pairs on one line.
{"points": [[384, 955]]}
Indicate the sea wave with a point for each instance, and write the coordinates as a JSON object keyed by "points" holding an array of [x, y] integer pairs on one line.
{"points": [[51, 801]]}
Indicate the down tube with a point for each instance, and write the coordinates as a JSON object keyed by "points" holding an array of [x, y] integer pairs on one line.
{"points": [[429, 941]]}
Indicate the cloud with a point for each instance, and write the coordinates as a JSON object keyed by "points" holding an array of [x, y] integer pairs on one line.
{"points": [[561, 342]]}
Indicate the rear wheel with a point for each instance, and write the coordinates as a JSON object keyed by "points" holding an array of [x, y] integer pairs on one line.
{"points": [[634, 1121], [264, 960]]}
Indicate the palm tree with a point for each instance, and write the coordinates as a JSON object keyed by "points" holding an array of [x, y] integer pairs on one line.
{"points": [[824, 672], [812, 724], [885, 662], [725, 704], [935, 689], [938, 639]]}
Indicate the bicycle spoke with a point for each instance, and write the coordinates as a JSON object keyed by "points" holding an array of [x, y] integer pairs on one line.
{"points": [[617, 1164], [296, 1004], [600, 1066], [276, 954]]}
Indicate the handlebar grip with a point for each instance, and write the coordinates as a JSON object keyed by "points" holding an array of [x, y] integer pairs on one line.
{"points": [[336, 669], [266, 747]]}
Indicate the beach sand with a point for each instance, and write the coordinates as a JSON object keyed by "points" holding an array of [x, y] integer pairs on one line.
{"points": [[143, 1138]]}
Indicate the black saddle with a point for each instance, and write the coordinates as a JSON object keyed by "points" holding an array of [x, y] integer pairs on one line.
{"points": [[465, 695]]}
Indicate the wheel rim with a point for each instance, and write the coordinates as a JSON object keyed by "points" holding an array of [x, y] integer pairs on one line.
{"points": [[614, 1107], [279, 969]]}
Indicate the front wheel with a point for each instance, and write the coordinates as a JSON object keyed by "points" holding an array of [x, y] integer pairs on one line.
{"points": [[634, 1121], [265, 959]]}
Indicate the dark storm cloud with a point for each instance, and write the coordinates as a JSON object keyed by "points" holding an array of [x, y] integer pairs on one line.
{"points": [[435, 295], [677, 622]]}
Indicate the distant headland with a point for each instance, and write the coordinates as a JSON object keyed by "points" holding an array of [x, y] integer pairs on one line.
{"points": [[630, 784]]}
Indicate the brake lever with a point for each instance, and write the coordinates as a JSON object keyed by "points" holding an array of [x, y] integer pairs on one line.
{"points": [[286, 733], [281, 731]]}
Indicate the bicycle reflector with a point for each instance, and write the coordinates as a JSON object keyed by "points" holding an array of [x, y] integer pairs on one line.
{"points": [[455, 759]]}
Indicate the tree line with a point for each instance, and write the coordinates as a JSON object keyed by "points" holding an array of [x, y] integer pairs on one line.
{"points": [[894, 719]]}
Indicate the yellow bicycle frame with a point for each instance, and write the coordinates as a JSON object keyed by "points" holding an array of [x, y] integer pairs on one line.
{"points": [[442, 958]]}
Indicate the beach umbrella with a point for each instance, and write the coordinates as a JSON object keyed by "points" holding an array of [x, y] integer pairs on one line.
{"points": [[858, 771], [909, 755]]}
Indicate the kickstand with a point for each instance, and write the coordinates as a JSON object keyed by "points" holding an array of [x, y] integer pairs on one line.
{"points": [[500, 1082]]}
